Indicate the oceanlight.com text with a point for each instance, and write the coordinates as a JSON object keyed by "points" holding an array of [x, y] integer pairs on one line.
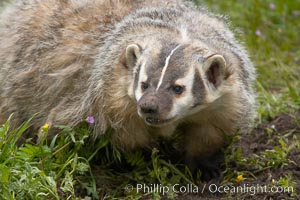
{"points": [[211, 188]]}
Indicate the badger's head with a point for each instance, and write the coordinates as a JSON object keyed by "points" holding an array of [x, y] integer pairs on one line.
{"points": [[172, 81]]}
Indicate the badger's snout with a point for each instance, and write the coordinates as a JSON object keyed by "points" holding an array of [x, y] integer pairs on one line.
{"points": [[149, 110], [154, 109], [149, 106]]}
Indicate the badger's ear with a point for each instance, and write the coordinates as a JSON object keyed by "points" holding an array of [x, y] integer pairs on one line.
{"points": [[132, 53], [214, 69]]}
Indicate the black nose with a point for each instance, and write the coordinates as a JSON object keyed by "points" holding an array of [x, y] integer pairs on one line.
{"points": [[149, 108]]}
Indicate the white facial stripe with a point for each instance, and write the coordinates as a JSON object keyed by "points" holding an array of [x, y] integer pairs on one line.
{"points": [[165, 67], [142, 78], [186, 100]]}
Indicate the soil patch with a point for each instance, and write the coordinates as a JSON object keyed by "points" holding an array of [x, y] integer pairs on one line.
{"points": [[265, 137]]}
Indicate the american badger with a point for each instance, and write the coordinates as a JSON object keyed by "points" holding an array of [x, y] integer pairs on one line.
{"points": [[144, 69]]}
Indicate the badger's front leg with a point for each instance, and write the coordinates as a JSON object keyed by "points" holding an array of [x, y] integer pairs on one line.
{"points": [[203, 145]]}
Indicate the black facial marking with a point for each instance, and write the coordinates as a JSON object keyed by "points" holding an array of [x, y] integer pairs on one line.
{"points": [[198, 89]]}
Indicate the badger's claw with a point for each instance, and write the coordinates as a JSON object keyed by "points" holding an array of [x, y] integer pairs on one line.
{"points": [[209, 165]]}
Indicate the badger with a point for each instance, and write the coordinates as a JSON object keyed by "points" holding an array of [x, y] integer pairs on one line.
{"points": [[146, 70]]}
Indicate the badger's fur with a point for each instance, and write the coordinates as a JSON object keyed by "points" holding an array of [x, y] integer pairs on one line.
{"points": [[141, 68]]}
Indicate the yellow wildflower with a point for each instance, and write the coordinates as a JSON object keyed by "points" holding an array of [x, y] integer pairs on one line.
{"points": [[239, 178], [45, 128]]}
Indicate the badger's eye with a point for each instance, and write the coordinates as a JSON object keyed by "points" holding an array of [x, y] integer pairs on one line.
{"points": [[144, 86], [177, 89]]}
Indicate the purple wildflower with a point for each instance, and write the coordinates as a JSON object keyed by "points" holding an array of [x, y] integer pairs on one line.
{"points": [[272, 6], [90, 119], [258, 33]]}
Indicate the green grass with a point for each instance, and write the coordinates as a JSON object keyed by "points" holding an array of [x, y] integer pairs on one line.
{"points": [[56, 169], [31, 171], [67, 165]]}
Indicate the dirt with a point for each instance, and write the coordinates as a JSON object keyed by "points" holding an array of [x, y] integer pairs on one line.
{"points": [[264, 137]]}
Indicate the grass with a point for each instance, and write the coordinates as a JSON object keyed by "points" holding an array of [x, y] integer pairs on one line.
{"points": [[69, 168], [57, 169]]}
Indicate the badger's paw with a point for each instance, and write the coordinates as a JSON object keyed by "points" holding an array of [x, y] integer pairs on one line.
{"points": [[209, 165]]}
